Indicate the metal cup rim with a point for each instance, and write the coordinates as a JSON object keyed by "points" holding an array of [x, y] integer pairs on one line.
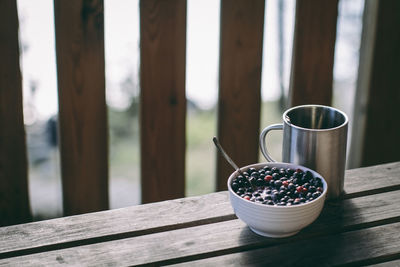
{"points": [[287, 122]]}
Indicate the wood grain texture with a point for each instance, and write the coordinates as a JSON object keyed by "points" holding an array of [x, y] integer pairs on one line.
{"points": [[381, 178], [131, 221], [358, 248], [359, 224], [313, 52], [79, 28], [155, 218], [381, 140], [242, 24], [14, 200], [163, 101]]}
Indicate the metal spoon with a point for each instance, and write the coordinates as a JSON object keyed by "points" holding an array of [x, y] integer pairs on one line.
{"points": [[230, 161]]}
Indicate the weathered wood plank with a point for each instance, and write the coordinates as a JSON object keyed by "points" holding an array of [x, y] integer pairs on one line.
{"points": [[131, 221], [242, 24], [354, 223], [163, 101], [14, 200], [156, 217], [79, 26], [377, 129], [313, 52], [358, 248], [384, 177]]}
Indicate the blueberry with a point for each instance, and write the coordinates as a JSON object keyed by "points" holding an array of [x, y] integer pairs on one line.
{"points": [[259, 199], [240, 191], [297, 174], [278, 183], [235, 186], [255, 174], [319, 182], [275, 176], [291, 186], [251, 170], [316, 194], [308, 175], [260, 182], [282, 173], [290, 171], [249, 190]]}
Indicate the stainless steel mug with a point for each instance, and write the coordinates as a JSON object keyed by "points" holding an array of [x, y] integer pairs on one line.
{"points": [[314, 136]]}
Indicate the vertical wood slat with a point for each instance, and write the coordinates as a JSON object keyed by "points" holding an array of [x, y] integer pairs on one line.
{"points": [[242, 24], [376, 122], [79, 28], [14, 200], [163, 101], [313, 52]]}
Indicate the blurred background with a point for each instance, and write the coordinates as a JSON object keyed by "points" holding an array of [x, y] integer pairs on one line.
{"points": [[122, 91]]}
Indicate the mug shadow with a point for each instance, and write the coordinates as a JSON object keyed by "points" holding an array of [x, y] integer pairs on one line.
{"points": [[328, 235]]}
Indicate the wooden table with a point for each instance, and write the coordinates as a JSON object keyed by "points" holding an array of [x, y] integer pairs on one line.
{"points": [[360, 229]]}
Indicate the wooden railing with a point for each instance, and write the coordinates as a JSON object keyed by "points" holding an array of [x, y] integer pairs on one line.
{"points": [[79, 26]]}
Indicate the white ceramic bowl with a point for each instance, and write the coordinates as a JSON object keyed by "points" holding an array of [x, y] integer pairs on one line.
{"points": [[276, 221]]}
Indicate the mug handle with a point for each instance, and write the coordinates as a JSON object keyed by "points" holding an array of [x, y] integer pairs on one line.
{"points": [[264, 151]]}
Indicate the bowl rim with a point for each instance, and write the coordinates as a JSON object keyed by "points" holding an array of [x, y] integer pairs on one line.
{"points": [[244, 168]]}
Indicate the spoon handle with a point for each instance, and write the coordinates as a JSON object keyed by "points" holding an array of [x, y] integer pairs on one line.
{"points": [[218, 145]]}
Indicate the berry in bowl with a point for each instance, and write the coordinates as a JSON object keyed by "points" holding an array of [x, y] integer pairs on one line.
{"points": [[277, 199]]}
